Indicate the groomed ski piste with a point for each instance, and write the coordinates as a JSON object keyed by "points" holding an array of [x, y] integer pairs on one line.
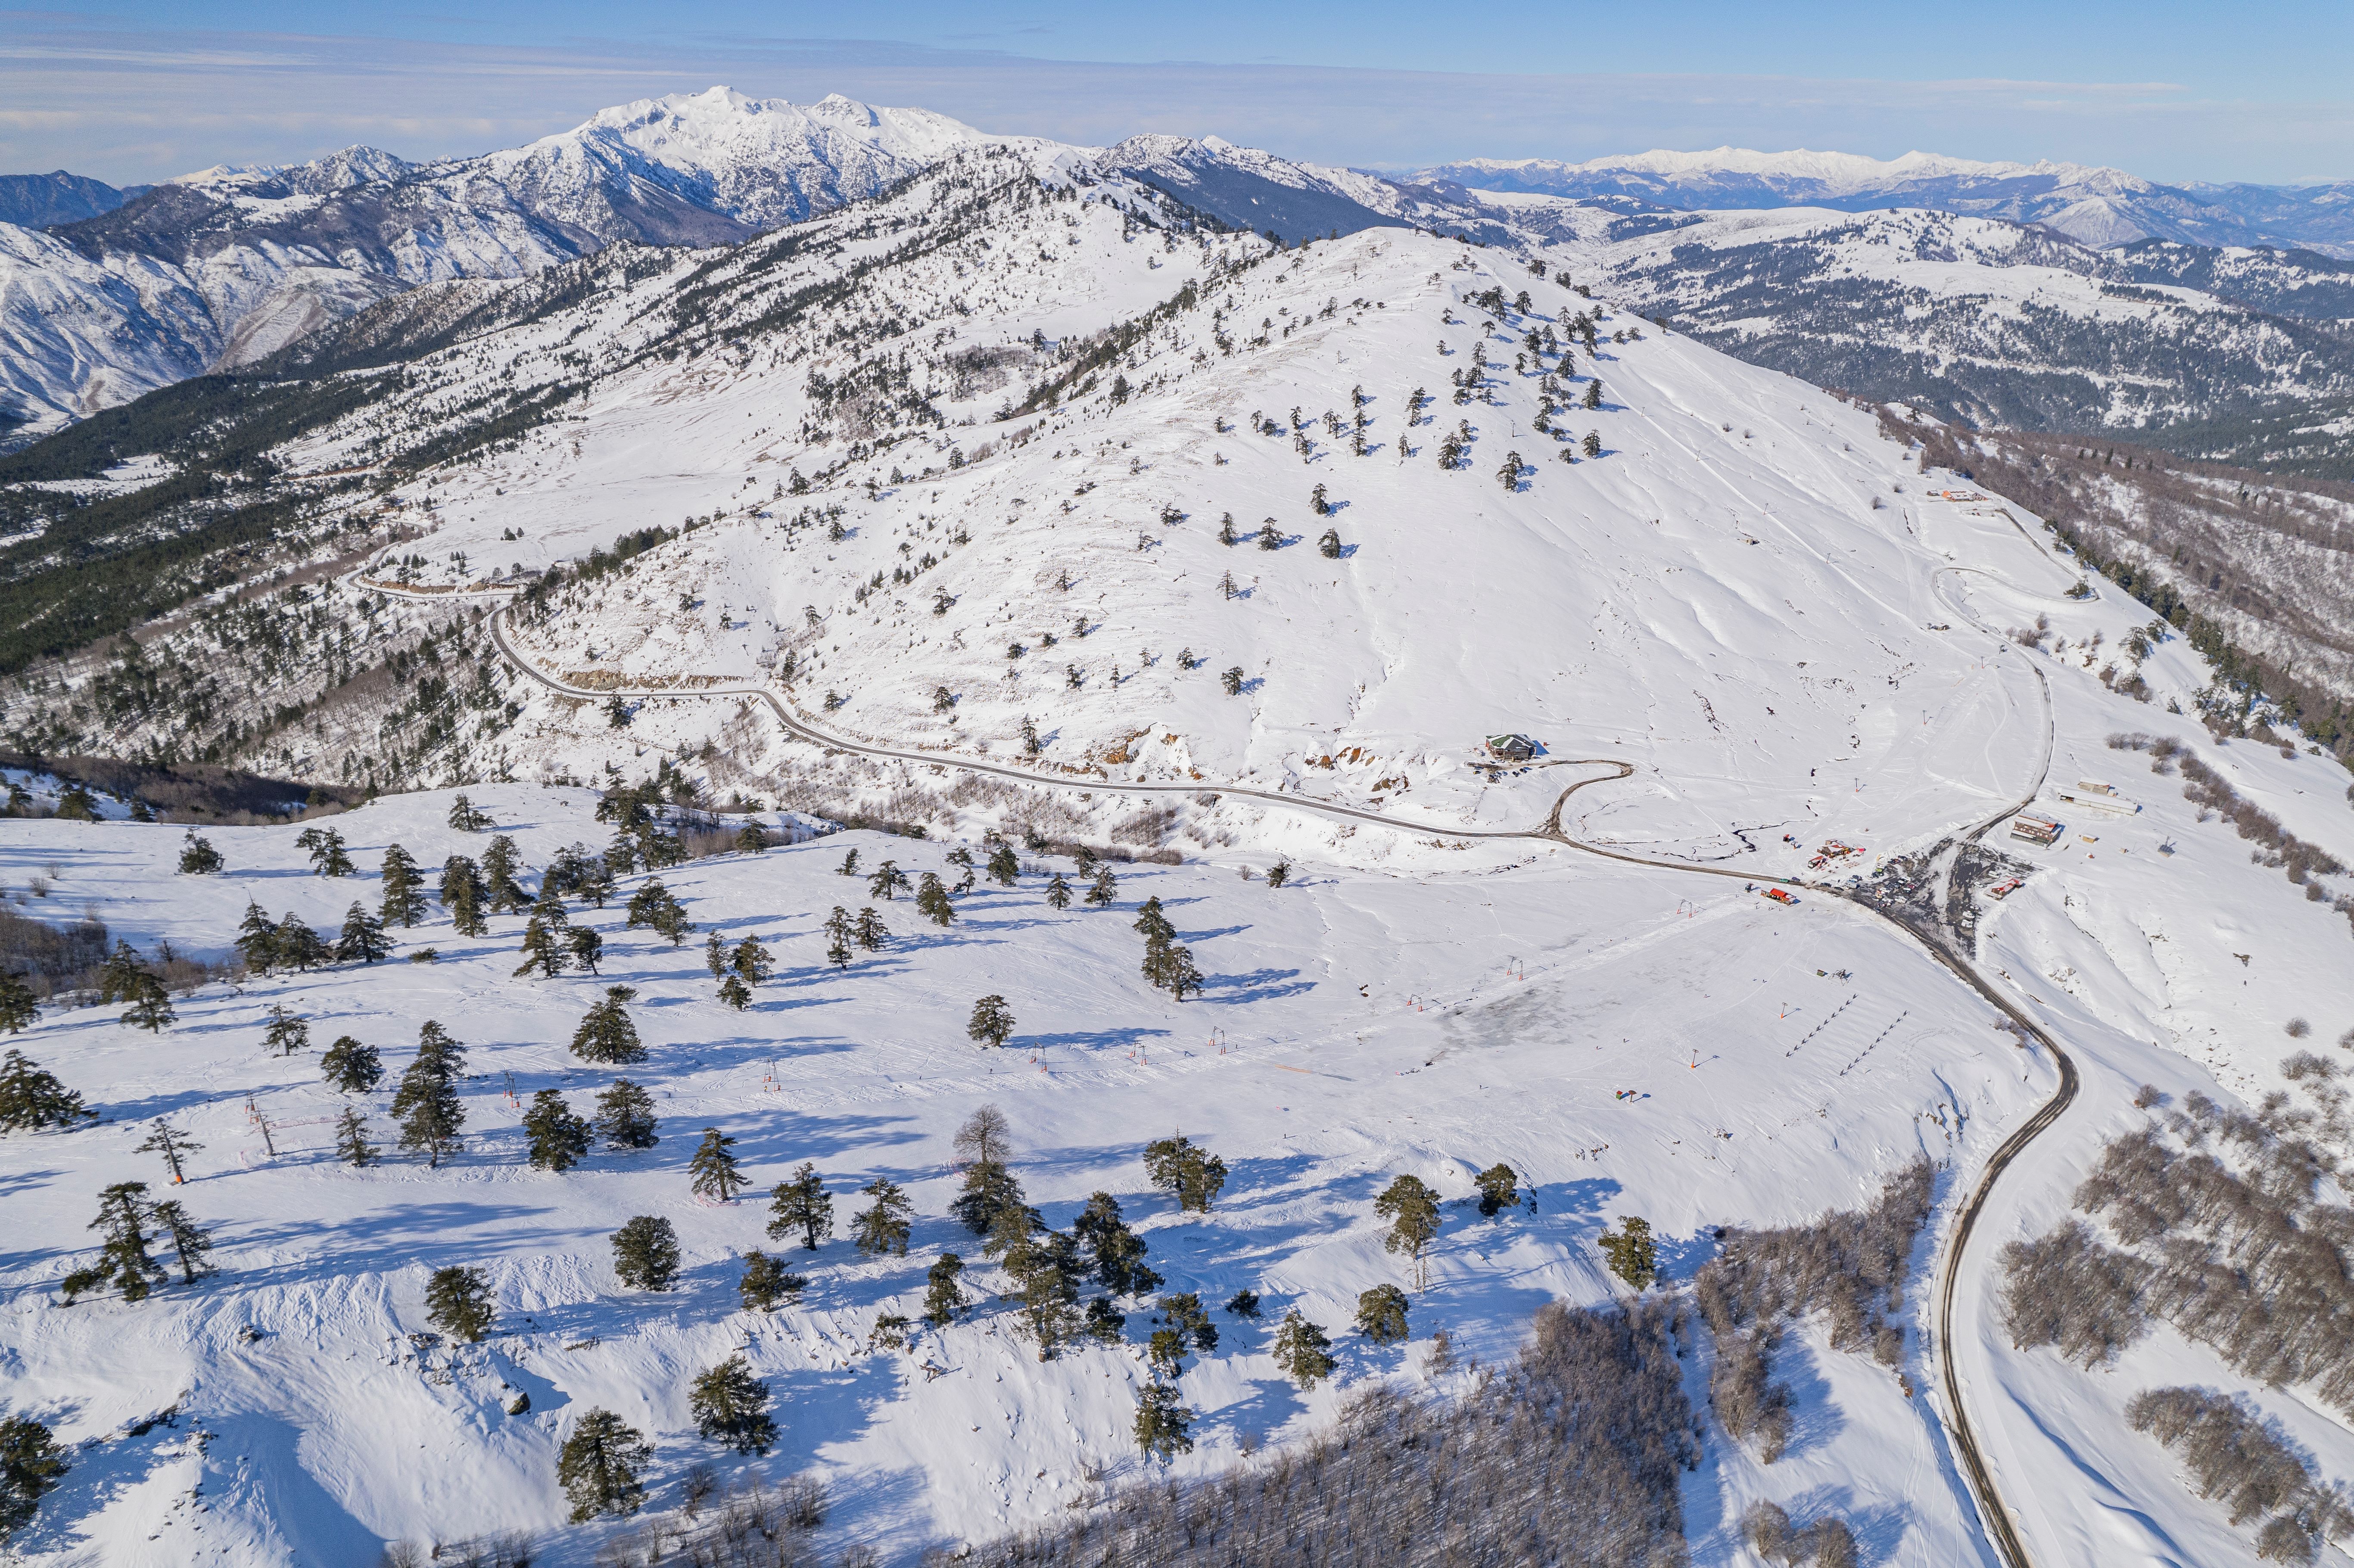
{"points": [[1715, 598]]}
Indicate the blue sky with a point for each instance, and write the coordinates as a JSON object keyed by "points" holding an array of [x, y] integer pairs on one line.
{"points": [[138, 90]]}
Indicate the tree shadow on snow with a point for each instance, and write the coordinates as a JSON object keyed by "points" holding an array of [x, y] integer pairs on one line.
{"points": [[1258, 985]]}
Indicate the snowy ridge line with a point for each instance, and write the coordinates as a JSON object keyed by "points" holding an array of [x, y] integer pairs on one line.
{"points": [[1995, 1515]]}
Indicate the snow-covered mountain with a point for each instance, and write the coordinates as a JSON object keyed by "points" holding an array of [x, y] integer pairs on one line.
{"points": [[32, 201], [227, 265], [993, 510], [2099, 207]]}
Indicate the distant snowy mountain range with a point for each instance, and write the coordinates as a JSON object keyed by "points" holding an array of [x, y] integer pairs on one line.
{"points": [[107, 294]]}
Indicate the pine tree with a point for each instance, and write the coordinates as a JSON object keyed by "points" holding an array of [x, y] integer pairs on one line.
{"points": [[1003, 868], [1270, 537], [887, 882], [654, 907], [1509, 474], [750, 838], [992, 1021], [1187, 1171], [1045, 1267], [606, 1034], [1153, 925], [458, 1302], [1184, 1313], [351, 1066], [850, 863], [990, 1193], [427, 1106], [751, 962], [599, 1466], [1105, 889], [1303, 1352], [117, 977], [191, 1243], [32, 1098], [352, 1145], [1162, 1425], [258, 940], [715, 955], [837, 932], [548, 907], [288, 1032], [1592, 446], [1279, 874], [462, 894], [19, 1009], [1169, 967], [363, 939], [735, 992], [932, 902], [731, 1407], [1499, 1189], [1244, 1304], [544, 948], [124, 1260], [1412, 1210], [766, 1284], [1381, 1315], [198, 858], [1634, 1257], [645, 1253], [1118, 1252], [1058, 892], [559, 1140], [500, 864], [1226, 534], [942, 1300], [625, 1115], [299, 947], [1594, 398], [31, 1465], [151, 1006], [465, 819], [884, 1227], [714, 1171], [800, 1204], [585, 948], [403, 902], [172, 1145], [1165, 1352]]}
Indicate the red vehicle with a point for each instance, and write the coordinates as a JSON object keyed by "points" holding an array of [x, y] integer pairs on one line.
{"points": [[1779, 897], [2005, 889]]}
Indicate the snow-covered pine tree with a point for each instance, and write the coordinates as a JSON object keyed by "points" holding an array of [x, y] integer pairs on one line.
{"points": [[1593, 396], [287, 1033], [403, 903], [645, 1253], [599, 1466], [1226, 534], [606, 1034], [1230, 681], [714, 1173], [31, 1098], [625, 1115], [991, 1023], [731, 1407], [1058, 892], [352, 1145], [559, 1140], [884, 1225], [942, 1298], [427, 1106], [198, 858], [766, 1284], [172, 1145], [800, 1204], [458, 1302], [1303, 1352], [1593, 444], [1270, 537], [19, 1009], [124, 1260], [362, 939]]}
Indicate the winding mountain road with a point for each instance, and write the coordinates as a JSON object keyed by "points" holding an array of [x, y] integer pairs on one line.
{"points": [[1995, 1517]]}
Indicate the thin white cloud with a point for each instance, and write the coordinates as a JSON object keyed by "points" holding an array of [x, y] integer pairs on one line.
{"points": [[140, 107]]}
